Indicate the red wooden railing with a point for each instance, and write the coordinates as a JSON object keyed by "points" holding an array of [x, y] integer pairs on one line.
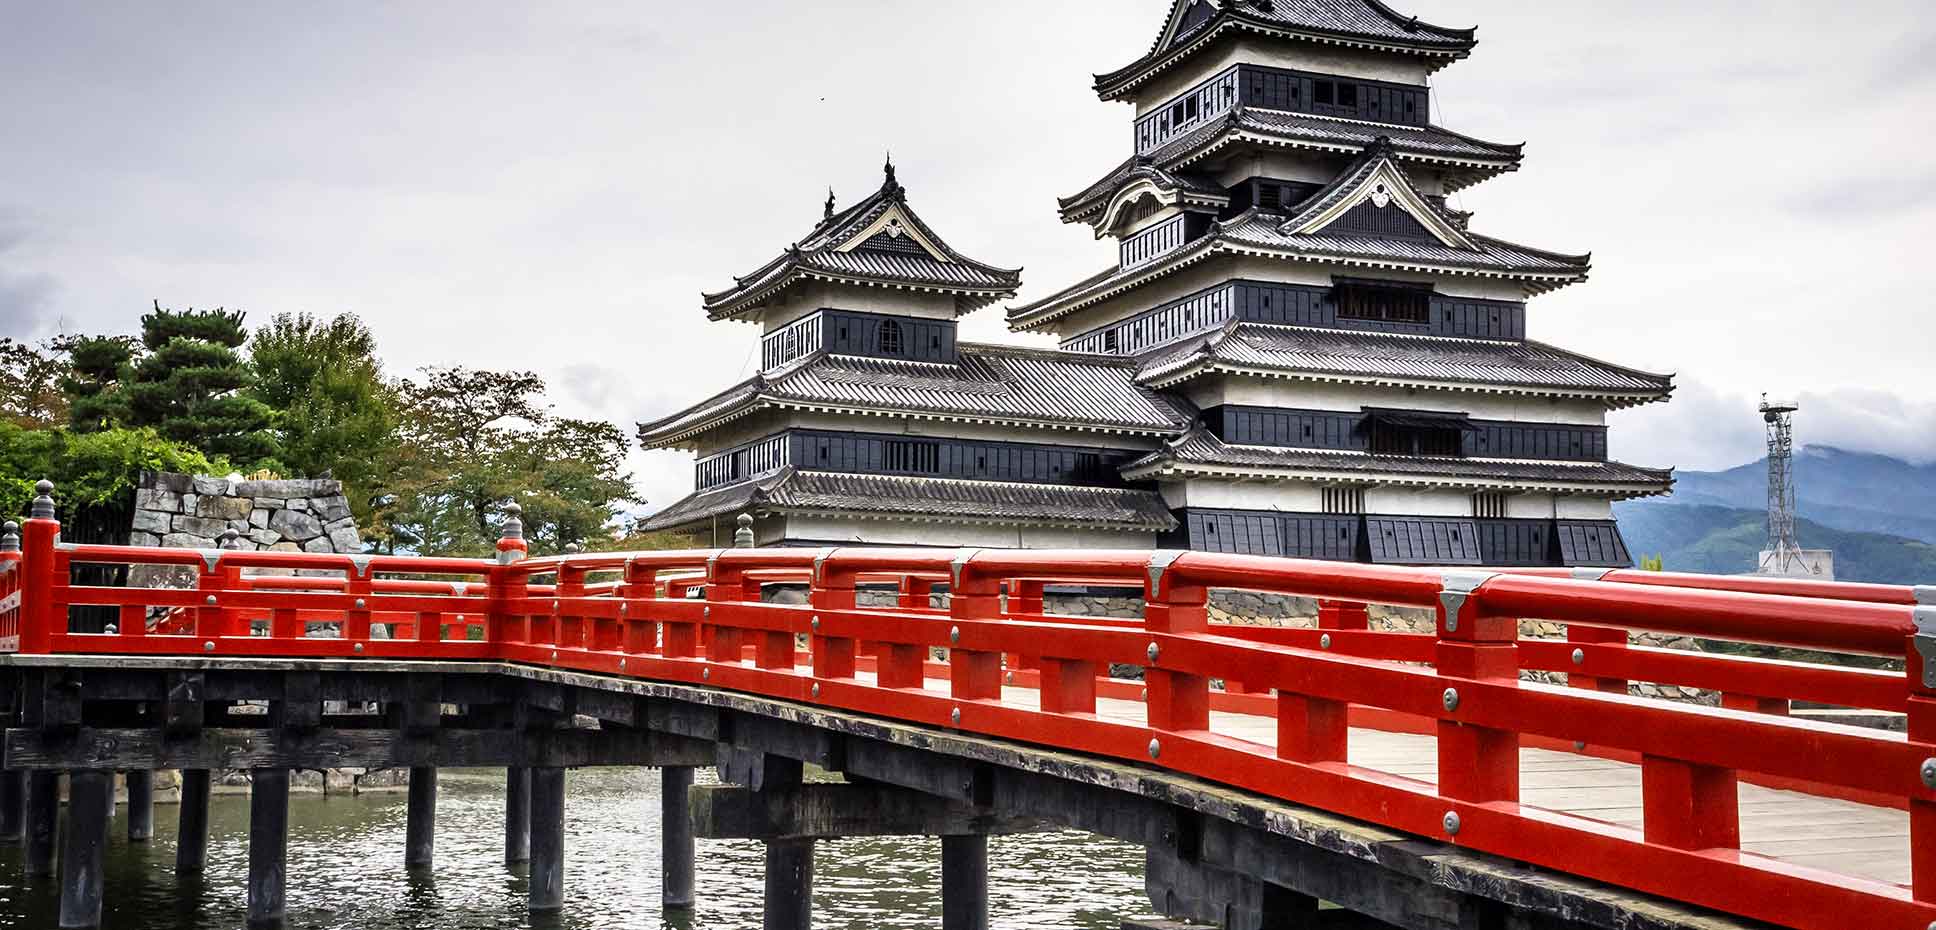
{"points": [[697, 618]]}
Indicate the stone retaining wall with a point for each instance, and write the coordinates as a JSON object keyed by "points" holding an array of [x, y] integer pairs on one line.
{"points": [[294, 515]]}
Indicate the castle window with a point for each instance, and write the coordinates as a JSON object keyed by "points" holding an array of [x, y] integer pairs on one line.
{"points": [[905, 456], [1384, 303], [890, 338], [1344, 500], [1327, 92], [1347, 95], [1491, 505]]}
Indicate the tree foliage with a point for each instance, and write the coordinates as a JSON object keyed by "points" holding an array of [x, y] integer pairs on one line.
{"points": [[98, 366], [336, 414], [87, 468], [188, 385], [30, 384], [472, 441]]}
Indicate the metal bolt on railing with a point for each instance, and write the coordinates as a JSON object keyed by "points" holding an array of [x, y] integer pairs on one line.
{"points": [[361, 603], [1155, 749], [208, 646], [1579, 657], [1324, 642], [1452, 823], [816, 689], [705, 674], [954, 635], [1929, 772], [815, 624], [1451, 699], [358, 647], [209, 600], [954, 716], [1154, 652]]}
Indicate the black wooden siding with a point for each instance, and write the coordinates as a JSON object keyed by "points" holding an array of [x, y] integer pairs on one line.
{"points": [[1423, 541], [1387, 222], [872, 453], [1162, 238], [1401, 540], [851, 332], [1293, 305], [1346, 430], [1280, 89]]}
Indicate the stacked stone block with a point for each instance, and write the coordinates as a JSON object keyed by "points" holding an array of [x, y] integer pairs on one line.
{"points": [[291, 515]]}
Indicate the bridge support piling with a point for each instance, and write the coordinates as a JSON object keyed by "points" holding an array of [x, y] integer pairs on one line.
{"points": [[13, 804], [141, 805], [789, 885], [89, 792], [268, 846], [547, 883], [420, 826], [675, 837], [517, 815], [43, 815], [191, 840], [964, 882]]}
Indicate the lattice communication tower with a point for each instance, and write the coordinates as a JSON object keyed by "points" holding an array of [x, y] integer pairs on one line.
{"points": [[1784, 552]]}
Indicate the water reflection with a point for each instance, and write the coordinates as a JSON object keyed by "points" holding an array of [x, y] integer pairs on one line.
{"points": [[346, 871]]}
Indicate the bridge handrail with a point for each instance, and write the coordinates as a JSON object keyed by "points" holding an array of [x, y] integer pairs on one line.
{"points": [[1460, 683]]}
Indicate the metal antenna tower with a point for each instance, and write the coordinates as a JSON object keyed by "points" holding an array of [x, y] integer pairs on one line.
{"points": [[1784, 552]]}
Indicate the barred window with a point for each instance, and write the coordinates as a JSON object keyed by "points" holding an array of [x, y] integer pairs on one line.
{"points": [[918, 457], [1344, 500], [890, 337], [1491, 505]]}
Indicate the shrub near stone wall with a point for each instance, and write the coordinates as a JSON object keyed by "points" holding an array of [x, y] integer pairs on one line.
{"points": [[294, 515]]}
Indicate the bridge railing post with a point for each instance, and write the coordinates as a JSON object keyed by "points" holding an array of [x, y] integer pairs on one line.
{"points": [[973, 674], [1921, 726], [725, 584], [638, 631], [833, 656], [1177, 700], [39, 617], [1475, 763], [505, 583]]}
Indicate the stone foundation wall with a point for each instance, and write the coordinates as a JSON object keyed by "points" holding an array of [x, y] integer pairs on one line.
{"points": [[193, 511]]}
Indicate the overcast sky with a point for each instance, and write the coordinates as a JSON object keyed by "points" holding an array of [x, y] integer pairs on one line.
{"points": [[550, 186]]}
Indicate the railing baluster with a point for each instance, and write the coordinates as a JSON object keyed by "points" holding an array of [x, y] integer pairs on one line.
{"points": [[1475, 763], [1689, 806], [833, 656], [974, 674], [1177, 700]]}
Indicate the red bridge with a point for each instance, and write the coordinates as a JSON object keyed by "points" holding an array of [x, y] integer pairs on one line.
{"points": [[1433, 782]]}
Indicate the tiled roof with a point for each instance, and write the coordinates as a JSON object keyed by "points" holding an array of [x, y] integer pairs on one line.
{"points": [[1183, 184], [1204, 452], [1008, 384], [830, 252], [1472, 160], [1363, 23], [1346, 355], [895, 497], [1257, 233]]}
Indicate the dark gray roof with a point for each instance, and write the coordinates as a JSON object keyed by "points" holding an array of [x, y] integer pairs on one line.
{"points": [[1202, 451], [1091, 202], [829, 253], [1347, 355], [1007, 384], [896, 497], [1363, 23]]}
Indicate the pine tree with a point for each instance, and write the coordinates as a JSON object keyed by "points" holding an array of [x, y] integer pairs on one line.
{"points": [[188, 385], [100, 365]]}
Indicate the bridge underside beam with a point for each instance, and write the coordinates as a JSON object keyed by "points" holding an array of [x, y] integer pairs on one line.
{"points": [[832, 811], [269, 748]]}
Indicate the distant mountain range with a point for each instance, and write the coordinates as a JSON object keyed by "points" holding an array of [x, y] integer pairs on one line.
{"points": [[1878, 514]]}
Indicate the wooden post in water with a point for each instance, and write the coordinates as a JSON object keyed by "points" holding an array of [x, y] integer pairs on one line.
{"points": [[141, 805], [43, 816], [547, 881], [789, 863], [420, 825], [268, 845], [517, 814], [191, 840], [13, 804], [89, 792], [675, 838], [964, 882]]}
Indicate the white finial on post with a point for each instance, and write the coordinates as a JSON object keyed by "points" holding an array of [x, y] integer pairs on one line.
{"points": [[743, 537]]}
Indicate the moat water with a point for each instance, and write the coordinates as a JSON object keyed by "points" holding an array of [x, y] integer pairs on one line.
{"points": [[346, 870]]}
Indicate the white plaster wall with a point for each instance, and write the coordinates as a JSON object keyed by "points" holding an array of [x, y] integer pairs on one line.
{"points": [[1574, 507], [1277, 392], [1292, 497], [806, 298], [1530, 506], [938, 532], [1376, 66], [1418, 502]]}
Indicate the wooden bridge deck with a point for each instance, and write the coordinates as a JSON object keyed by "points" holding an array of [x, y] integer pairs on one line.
{"points": [[1803, 829]]}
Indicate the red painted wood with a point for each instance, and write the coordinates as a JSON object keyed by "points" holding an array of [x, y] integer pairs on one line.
{"points": [[1689, 806]]}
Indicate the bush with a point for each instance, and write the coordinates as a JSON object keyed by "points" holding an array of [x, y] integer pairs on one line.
{"points": [[87, 468]]}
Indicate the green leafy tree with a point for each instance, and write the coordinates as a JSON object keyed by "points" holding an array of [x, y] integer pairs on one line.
{"points": [[87, 468], [473, 440], [188, 385], [30, 384], [335, 412]]}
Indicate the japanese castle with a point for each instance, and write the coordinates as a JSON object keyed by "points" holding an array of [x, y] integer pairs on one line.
{"points": [[1302, 349]]}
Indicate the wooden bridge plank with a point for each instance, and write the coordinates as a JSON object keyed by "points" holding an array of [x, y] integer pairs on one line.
{"points": [[331, 748]]}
